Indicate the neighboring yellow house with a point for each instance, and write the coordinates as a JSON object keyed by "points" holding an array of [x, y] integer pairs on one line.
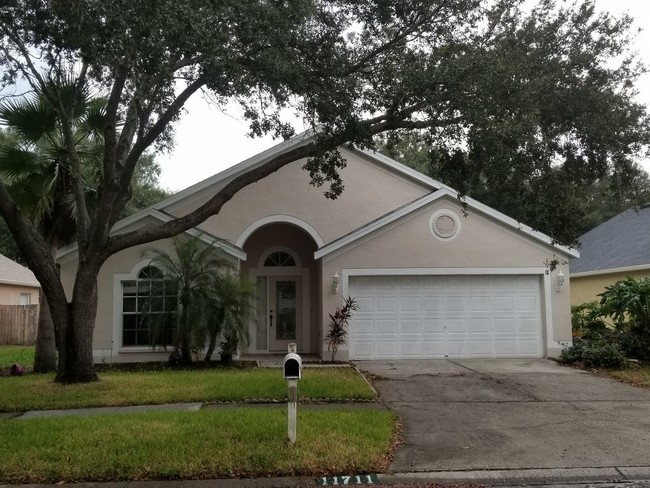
{"points": [[611, 252], [18, 285]]}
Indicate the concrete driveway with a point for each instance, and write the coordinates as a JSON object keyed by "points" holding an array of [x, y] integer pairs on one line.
{"points": [[511, 414]]}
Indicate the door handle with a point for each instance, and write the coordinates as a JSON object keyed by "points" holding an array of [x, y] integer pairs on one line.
{"points": [[271, 318]]}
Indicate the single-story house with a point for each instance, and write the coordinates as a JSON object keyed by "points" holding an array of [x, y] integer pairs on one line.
{"points": [[433, 278], [611, 252], [18, 285]]}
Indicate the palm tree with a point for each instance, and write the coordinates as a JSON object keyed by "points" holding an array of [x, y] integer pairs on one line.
{"points": [[35, 167], [232, 303], [191, 269]]}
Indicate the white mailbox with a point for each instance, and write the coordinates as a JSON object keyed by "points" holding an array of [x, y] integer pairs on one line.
{"points": [[292, 366]]}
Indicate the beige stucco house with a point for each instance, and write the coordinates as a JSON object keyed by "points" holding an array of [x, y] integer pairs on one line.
{"points": [[433, 279], [611, 252]]}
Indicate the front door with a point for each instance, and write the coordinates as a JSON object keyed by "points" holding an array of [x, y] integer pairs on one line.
{"points": [[284, 311]]}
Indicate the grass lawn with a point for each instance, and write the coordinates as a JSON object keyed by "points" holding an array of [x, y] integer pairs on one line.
{"points": [[638, 375], [23, 355], [39, 392], [214, 443]]}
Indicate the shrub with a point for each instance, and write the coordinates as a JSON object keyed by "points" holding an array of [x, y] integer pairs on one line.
{"points": [[628, 303], [587, 320], [594, 353], [338, 333]]}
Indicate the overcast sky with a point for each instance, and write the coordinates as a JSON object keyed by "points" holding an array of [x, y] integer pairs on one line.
{"points": [[209, 141]]}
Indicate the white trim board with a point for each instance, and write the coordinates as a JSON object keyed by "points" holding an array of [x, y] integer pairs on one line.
{"points": [[596, 272], [281, 219]]}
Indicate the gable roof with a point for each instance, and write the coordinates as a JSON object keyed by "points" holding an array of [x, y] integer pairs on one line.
{"points": [[621, 242], [437, 188], [12, 273], [432, 197]]}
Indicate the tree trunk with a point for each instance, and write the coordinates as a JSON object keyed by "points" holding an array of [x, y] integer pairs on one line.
{"points": [[211, 347], [76, 363], [45, 353]]}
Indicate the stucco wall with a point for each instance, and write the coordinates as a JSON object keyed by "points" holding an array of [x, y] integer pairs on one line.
{"points": [[482, 243], [586, 288], [121, 263], [370, 192], [10, 294]]}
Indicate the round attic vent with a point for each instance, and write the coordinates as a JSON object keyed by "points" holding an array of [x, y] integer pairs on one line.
{"points": [[444, 225]]}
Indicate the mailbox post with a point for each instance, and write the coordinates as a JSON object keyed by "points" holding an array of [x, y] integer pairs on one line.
{"points": [[292, 369]]}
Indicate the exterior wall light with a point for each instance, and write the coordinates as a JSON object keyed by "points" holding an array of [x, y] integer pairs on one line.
{"points": [[335, 282], [560, 279]]}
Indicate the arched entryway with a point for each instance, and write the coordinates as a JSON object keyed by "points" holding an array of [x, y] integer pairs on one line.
{"points": [[280, 261]]}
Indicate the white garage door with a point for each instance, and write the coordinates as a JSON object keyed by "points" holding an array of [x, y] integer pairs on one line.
{"points": [[446, 316]]}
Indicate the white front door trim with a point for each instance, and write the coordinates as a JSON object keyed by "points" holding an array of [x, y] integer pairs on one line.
{"points": [[289, 271]]}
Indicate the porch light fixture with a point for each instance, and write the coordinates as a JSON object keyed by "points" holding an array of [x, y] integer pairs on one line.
{"points": [[335, 282], [559, 281]]}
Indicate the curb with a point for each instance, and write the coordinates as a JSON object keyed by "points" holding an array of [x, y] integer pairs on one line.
{"points": [[519, 477]]}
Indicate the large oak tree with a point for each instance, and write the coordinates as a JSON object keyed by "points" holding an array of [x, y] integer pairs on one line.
{"points": [[351, 69]]}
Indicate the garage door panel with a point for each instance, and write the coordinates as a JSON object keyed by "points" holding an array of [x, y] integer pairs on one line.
{"points": [[363, 327], [505, 347], [481, 345], [446, 316], [503, 303], [505, 324], [409, 349], [431, 325], [410, 326], [458, 347], [410, 304], [527, 304], [366, 305], [456, 303], [386, 326], [528, 348], [480, 324], [457, 325], [480, 304], [528, 324], [386, 304], [386, 349], [362, 349], [432, 303]]}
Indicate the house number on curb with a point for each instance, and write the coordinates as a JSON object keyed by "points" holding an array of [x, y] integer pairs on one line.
{"points": [[361, 479]]}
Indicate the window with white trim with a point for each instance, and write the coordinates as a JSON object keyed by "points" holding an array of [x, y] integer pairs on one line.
{"points": [[148, 308], [25, 299]]}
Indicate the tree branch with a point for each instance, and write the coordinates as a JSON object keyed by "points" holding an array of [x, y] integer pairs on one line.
{"points": [[310, 148]]}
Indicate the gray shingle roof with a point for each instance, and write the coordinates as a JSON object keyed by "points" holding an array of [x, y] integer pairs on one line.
{"points": [[13, 273], [620, 242]]}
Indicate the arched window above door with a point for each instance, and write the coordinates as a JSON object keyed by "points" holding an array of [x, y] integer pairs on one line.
{"points": [[279, 258]]}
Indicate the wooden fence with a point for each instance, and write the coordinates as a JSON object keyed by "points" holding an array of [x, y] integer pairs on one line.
{"points": [[18, 324]]}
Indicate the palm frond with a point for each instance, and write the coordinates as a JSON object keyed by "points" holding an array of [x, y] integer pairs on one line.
{"points": [[30, 118]]}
